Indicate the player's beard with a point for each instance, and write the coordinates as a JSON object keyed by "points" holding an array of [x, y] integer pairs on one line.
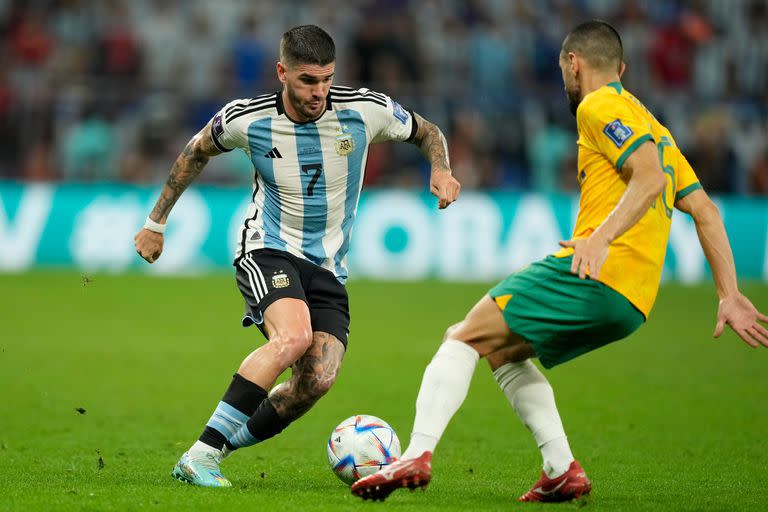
{"points": [[301, 106], [574, 98]]}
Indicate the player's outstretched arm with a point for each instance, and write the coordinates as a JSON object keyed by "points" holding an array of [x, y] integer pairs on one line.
{"points": [[431, 141], [149, 241], [734, 309], [645, 182]]}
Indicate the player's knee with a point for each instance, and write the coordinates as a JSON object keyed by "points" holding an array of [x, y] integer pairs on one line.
{"points": [[320, 384], [292, 343], [309, 388]]}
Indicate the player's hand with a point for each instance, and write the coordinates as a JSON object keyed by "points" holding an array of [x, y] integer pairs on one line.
{"points": [[149, 244], [589, 254], [738, 312], [444, 186]]}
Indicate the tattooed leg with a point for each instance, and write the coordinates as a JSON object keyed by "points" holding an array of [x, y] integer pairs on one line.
{"points": [[313, 375]]}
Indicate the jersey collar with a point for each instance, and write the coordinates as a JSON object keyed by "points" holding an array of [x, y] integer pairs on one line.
{"points": [[281, 108], [616, 85]]}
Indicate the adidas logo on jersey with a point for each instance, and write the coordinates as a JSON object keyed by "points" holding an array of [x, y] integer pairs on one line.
{"points": [[273, 153]]}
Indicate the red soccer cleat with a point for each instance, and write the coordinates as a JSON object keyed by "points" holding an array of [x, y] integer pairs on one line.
{"points": [[568, 486], [410, 473]]}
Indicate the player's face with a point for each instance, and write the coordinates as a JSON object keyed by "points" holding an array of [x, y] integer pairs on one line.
{"points": [[307, 87], [572, 87]]}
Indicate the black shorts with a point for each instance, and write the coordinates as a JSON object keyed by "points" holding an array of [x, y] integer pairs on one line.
{"points": [[266, 275]]}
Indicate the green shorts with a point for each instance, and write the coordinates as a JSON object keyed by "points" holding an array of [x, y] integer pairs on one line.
{"points": [[561, 315]]}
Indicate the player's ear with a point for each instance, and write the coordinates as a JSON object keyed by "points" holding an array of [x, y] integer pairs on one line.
{"points": [[280, 72], [573, 63], [622, 67]]}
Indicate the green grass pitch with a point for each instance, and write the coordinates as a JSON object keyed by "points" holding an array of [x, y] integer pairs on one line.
{"points": [[666, 420]]}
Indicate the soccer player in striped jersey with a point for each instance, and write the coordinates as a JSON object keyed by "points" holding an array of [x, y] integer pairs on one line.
{"points": [[308, 143], [599, 288]]}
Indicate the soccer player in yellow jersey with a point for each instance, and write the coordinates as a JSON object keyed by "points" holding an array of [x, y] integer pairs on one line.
{"points": [[600, 287]]}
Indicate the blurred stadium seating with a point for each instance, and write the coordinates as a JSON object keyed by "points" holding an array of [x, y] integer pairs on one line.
{"points": [[111, 90]]}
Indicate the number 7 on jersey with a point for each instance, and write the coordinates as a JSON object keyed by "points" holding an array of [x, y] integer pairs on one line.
{"points": [[317, 169]]}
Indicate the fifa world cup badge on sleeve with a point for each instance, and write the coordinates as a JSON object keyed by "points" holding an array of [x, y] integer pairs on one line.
{"points": [[618, 132], [218, 126], [399, 112]]}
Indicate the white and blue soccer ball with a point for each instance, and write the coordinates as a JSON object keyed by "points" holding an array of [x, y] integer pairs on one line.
{"points": [[360, 446]]}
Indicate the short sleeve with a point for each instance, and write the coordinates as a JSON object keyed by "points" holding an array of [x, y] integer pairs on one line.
{"points": [[224, 132], [388, 120], [613, 128], [687, 181]]}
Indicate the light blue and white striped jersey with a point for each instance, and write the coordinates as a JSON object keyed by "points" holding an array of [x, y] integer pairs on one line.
{"points": [[308, 175]]}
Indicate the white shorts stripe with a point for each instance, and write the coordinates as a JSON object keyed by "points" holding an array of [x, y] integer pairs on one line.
{"points": [[255, 285], [261, 276]]}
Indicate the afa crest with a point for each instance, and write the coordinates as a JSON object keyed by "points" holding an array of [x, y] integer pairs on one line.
{"points": [[345, 142], [280, 280]]}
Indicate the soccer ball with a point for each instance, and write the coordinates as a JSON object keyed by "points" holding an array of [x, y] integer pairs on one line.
{"points": [[360, 446]]}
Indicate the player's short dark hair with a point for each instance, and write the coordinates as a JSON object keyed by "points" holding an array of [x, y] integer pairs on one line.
{"points": [[307, 44], [597, 42]]}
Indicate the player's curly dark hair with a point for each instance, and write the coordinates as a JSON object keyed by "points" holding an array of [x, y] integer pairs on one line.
{"points": [[598, 42], [307, 44]]}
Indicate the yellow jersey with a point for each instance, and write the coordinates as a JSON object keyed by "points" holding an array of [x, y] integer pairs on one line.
{"points": [[612, 123]]}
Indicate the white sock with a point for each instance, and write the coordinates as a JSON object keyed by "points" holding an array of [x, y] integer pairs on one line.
{"points": [[200, 448], [443, 390], [531, 395]]}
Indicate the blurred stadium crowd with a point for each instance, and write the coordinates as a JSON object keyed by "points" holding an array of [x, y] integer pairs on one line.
{"points": [[111, 90]]}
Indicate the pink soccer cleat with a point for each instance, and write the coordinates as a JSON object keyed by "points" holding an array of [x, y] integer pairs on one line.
{"points": [[568, 486], [410, 473]]}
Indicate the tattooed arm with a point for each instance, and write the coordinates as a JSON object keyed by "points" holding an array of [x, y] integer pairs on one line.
{"points": [[431, 141], [188, 165]]}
